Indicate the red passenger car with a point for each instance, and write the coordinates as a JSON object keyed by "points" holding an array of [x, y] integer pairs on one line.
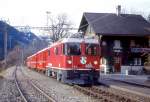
{"points": [[31, 61], [41, 60], [71, 60]]}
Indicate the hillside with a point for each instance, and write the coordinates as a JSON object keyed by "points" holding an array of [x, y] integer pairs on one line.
{"points": [[15, 38]]}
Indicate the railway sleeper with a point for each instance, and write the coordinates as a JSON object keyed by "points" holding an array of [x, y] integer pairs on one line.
{"points": [[116, 96]]}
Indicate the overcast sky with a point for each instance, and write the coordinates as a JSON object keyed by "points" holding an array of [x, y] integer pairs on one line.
{"points": [[33, 12]]}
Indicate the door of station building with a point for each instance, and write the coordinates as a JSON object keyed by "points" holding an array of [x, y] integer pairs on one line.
{"points": [[117, 64]]}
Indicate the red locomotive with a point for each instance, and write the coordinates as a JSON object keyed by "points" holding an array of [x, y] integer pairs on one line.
{"points": [[71, 60]]}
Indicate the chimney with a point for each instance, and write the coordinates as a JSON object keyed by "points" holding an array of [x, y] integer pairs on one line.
{"points": [[118, 10]]}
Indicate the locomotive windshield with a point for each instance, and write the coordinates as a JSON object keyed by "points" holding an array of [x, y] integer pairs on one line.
{"points": [[92, 49], [72, 49]]}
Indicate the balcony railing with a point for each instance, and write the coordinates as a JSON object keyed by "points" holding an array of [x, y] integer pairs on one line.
{"points": [[140, 50]]}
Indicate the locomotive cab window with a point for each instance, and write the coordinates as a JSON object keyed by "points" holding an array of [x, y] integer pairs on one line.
{"points": [[49, 52], [56, 50], [91, 49], [72, 49]]}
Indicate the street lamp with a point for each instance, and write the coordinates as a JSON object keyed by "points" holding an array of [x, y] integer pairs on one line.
{"points": [[47, 12]]}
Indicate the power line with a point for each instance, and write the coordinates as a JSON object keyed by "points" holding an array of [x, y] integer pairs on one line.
{"points": [[42, 28]]}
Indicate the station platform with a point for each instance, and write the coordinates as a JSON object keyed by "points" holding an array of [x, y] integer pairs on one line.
{"points": [[139, 80], [139, 85]]}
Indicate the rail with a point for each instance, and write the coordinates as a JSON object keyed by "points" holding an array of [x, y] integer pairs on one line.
{"points": [[103, 95], [50, 99], [18, 87]]}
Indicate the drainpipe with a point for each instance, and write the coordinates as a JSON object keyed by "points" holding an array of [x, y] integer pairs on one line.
{"points": [[118, 9], [99, 40]]}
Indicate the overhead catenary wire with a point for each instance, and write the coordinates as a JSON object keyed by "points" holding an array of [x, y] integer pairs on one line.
{"points": [[49, 28], [95, 20], [72, 28]]}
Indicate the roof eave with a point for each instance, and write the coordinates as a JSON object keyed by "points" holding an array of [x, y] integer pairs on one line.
{"points": [[111, 34]]}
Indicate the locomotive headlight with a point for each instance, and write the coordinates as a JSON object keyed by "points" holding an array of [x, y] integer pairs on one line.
{"points": [[69, 61], [95, 62]]}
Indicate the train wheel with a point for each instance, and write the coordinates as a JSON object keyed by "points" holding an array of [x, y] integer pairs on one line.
{"points": [[44, 71], [48, 73], [96, 81]]}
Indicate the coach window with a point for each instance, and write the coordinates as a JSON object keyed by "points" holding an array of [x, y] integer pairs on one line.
{"points": [[91, 49], [56, 51], [49, 52], [65, 49]]}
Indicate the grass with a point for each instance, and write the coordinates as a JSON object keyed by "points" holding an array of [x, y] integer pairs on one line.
{"points": [[1, 77], [1, 70]]}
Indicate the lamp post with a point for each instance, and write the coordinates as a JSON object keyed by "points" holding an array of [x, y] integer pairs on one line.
{"points": [[47, 25], [47, 12]]}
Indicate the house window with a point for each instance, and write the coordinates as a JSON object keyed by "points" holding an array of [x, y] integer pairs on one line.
{"points": [[132, 43], [137, 61], [117, 44], [103, 60], [149, 42], [116, 60], [104, 43]]}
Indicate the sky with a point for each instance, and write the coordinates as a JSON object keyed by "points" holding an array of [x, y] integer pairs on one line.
{"points": [[33, 12]]}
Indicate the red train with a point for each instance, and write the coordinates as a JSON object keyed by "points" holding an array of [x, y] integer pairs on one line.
{"points": [[71, 60]]}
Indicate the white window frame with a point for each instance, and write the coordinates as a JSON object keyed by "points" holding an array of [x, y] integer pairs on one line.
{"points": [[117, 44], [137, 61], [103, 61]]}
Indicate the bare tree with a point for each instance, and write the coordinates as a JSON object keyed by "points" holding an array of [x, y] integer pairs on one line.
{"points": [[60, 26], [148, 18]]}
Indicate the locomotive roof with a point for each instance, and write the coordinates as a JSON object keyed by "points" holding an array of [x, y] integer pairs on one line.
{"points": [[75, 40], [79, 40], [42, 50], [69, 40], [31, 55], [38, 52]]}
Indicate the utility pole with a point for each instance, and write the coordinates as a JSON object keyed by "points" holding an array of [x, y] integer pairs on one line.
{"points": [[5, 43], [22, 56], [47, 22], [47, 25], [10, 42]]}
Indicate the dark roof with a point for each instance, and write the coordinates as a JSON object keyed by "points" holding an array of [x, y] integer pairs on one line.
{"points": [[112, 24]]}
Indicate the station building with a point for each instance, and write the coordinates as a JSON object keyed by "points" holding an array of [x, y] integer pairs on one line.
{"points": [[124, 40]]}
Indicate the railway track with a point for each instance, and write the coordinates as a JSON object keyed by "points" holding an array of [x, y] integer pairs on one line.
{"points": [[28, 90], [18, 87], [103, 94]]}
